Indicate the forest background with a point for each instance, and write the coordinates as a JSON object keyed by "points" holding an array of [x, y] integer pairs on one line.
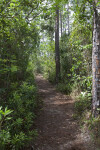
{"points": [[30, 31]]}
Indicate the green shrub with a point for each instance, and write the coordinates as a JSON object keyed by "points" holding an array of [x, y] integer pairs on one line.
{"points": [[64, 88], [24, 102], [5, 139], [52, 76], [5, 136], [15, 133], [19, 140], [94, 127], [83, 103]]}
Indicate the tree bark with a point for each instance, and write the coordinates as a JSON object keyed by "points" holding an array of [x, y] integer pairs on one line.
{"points": [[96, 64], [57, 55]]}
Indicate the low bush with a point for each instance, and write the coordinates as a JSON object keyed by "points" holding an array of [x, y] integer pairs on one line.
{"points": [[94, 128], [64, 88], [5, 136], [83, 103], [52, 77], [16, 131]]}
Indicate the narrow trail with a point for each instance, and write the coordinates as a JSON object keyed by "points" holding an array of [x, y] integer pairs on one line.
{"points": [[56, 127]]}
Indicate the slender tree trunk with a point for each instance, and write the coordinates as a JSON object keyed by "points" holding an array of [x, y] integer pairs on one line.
{"points": [[61, 22], [57, 56], [96, 64], [68, 20]]}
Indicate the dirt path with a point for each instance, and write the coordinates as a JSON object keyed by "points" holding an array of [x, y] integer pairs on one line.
{"points": [[56, 127]]}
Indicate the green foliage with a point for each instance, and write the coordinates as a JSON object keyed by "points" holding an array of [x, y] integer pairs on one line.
{"points": [[47, 60], [5, 137], [64, 88], [81, 53], [22, 54], [19, 140], [19, 40], [16, 130], [52, 75], [83, 103], [94, 125], [65, 59]]}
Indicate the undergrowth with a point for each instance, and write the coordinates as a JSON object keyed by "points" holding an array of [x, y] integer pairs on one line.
{"points": [[17, 115], [84, 115], [64, 88], [82, 104]]}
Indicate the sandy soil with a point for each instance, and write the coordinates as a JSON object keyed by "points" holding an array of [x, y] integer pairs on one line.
{"points": [[56, 127]]}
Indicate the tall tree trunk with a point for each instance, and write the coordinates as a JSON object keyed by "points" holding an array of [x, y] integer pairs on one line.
{"points": [[61, 22], [68, 19], [57, 56], [96, 63]]}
